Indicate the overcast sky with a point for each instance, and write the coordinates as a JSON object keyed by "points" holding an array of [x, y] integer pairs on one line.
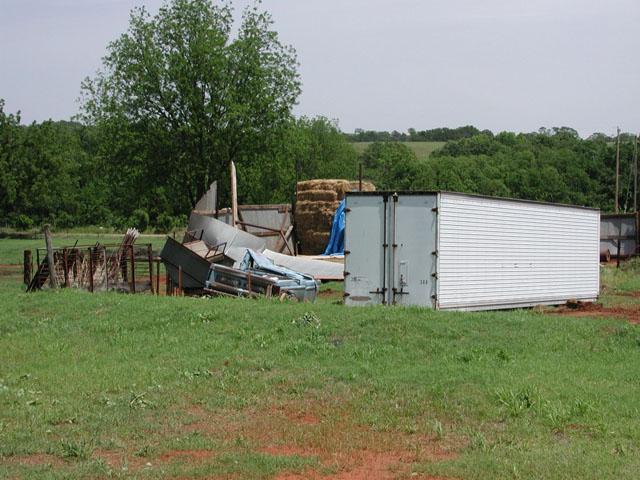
{"points": [[511, 65]]}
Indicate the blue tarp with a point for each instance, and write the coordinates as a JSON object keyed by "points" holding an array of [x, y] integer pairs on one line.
{"points": [[336, 242]]}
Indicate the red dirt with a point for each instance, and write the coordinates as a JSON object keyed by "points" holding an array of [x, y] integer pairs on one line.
{"points": [[188, 455], [631, 313], [328, 292], [312, 428], [116, 458], [36, 460], [10, 270], [367, 465]]}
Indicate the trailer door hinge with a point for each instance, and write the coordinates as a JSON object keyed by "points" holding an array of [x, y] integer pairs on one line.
{"points": [[435, 297], [435, 253], [346, 273], [345, 294], [347, 210], [434, 275], [435, 209], [347, 252]]}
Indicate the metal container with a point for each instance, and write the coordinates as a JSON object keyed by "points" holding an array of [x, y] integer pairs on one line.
{"points": [[620, 228], [454, 251]]}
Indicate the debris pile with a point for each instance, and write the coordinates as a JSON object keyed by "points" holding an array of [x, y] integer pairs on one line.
{"points": [[258, 275]]}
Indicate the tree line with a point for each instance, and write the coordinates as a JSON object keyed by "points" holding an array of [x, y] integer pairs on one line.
{"points": [[551, 165], [179, 97], [69, 174], [445, 134]]}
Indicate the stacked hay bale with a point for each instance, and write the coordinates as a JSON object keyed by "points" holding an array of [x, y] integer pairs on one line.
{"points": [[316, 203]]}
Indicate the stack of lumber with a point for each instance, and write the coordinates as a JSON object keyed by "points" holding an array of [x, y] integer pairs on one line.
{"points": [[316, 204]]}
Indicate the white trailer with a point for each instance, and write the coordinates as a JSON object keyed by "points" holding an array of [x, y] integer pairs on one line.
{"points": [[455, 251]]}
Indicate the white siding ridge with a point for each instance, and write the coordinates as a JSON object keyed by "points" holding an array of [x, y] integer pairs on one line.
{"points": [[507, 253]]}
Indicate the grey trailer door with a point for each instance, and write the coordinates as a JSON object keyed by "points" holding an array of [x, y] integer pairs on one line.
{"points": [[364, 239], [413, 250], [390, 249]]}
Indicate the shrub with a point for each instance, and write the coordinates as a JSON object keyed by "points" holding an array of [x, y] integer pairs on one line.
{"points": [[65, 221], [23, 222], [140, 219], [164, 223]]}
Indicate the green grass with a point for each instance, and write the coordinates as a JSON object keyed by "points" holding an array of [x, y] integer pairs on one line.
{"points": [[123, 386], [422, 149]]}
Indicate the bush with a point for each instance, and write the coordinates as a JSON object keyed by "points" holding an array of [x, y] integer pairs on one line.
{"points": [[65, 221], [140, 219], [165, 223], [23, 222]]}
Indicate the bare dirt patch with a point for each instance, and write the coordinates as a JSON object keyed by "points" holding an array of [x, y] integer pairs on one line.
{"points": [[630, 313], [35, 460], [10, 270], [328, 292], [312, 428], [117, 459], [190, 456]]}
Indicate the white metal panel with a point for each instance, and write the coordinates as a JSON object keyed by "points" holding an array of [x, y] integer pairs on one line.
{"points": [[364, 240], [413, 248], [499, 253]]}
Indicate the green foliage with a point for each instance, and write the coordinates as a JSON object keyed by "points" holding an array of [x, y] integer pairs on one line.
{"points": [[434, 135], [42, 171], [166, 223], [140, 219], [178, 99], [553, 165], [22, 222], [391, 166], [130, 166]]}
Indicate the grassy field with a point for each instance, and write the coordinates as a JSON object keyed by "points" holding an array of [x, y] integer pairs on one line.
{"points": [[134, 386], [421, 149]]}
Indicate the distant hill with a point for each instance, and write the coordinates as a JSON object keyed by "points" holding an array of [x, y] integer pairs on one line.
{"points": [[421, 149]]}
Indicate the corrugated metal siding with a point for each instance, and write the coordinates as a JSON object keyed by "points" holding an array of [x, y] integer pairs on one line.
{"points": [[613, 227], [496, 253]]}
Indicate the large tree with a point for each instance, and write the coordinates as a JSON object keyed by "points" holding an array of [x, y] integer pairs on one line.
{"points": [[178, 98]]}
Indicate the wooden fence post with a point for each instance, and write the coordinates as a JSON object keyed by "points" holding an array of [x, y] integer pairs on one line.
{"points": [[50, 259], [27, 267]]}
